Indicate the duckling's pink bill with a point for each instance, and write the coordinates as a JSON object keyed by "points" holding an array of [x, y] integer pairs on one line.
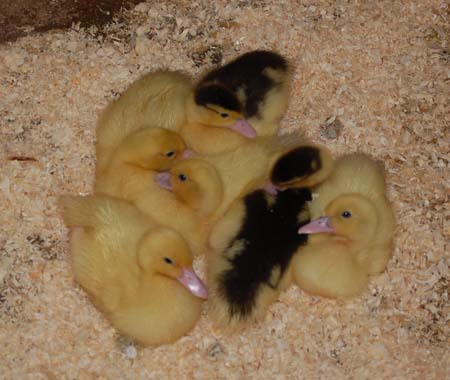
{"points": [[187, 153], [244, 128], [192, 283], [271, 189], [317, 226], [163, 180]]}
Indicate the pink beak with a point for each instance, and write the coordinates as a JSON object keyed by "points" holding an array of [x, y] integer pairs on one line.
{"points": [[193, 283], [163, 180], [244, 128], [317, 226], [271, 188], [188, 153]]}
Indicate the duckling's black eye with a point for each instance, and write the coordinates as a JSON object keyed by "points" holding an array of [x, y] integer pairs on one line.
{"points": [[170, 153], [346, 214], [224, 115], [168, 261], [182, 177]]}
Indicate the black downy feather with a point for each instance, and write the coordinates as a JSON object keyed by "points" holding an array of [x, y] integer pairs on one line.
{"points": [[297, 163], [269, 234], [247, 73]]}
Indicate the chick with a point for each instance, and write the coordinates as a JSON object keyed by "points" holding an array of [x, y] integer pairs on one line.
{"points": [[138, 274], [252, 247], [187, 198], [239, 101], [354, 224], [156, 99], [142, 152]]}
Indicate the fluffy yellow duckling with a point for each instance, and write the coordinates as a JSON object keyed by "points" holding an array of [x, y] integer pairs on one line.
{"points": [[129, 170], [138, 274], [156, 99], [239, 101], [353, 229], [187, 199]]}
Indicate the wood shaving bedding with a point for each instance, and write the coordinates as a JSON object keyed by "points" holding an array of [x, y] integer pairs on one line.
{"points": [[378, 70]]}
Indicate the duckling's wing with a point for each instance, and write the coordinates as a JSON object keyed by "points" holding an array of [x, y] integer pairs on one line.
{"points": [[329, 272], [95, 266], [104, 236], [106, 226], [98, 269], [101, 211]]}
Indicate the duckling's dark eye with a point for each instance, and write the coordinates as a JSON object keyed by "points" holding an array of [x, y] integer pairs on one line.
{"points": [[224, 115], [346, 214], [182, 177], [170, 153], [168, 261]]}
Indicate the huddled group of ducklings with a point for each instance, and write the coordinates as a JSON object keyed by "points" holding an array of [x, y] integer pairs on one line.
{"points": [[185, 169]]}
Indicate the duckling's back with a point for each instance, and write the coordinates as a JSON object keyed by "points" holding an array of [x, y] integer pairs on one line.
{"points": [[105, 233], [354, 173], [253, 246], [250, 73], [261, 81], [327, 268]]}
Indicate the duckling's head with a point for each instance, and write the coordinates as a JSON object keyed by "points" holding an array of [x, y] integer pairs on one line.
{"points": [[349, 216], [163, 252], [195, 183], [216, 106], [151, 149]]}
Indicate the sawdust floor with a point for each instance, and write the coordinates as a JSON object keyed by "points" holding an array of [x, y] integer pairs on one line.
{"points": [[370, 76]]}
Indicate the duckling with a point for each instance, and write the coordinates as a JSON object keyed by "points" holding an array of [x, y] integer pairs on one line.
{"points": [[156, 99], [252, 247], [353, 226], [138, 274], [187, 198], [237, 102], [135, 158]]}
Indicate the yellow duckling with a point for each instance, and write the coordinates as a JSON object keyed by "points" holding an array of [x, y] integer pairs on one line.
{"points": [[142, 152], [138, 274], [188, 197], [353, 226], [156, 99]]}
